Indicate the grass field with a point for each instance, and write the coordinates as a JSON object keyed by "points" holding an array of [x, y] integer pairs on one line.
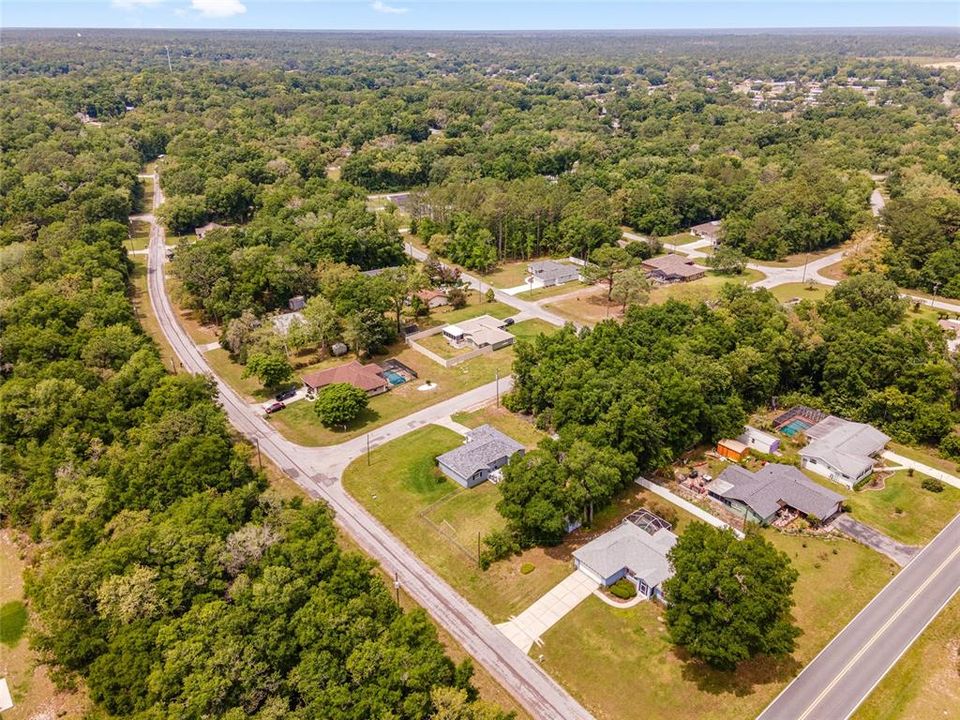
{"points": [[438, 344], [620, 664], [550, 292], [590, 306], [927, 457], [139, 233], [34, 694], [903, 510], [804, 291], [402, 480], [516, 426], [144, 310], [586, 308], [446, 315], [532, 328], [925, 682], [299, 423], [707, 288]]}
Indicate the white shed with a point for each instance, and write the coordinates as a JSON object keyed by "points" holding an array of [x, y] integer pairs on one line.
{"points": [[759, 440]]}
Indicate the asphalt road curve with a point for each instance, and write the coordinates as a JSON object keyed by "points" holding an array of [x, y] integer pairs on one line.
{"points": [[537, 692], [850, 667]]}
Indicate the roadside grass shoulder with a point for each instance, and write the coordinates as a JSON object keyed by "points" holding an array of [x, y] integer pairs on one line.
{"points": [[139, 235], [805, 291], [402, 481], [901, 509], [620, 663], [925, 682], [147, 318]]}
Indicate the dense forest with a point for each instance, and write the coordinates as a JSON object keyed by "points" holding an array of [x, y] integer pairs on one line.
{"points": [[543, 146], [164, 572], [635, 395]]}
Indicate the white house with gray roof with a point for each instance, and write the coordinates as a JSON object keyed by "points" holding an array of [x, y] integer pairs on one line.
{"points": [[551, 272], [485, 450], [772, 490], [842, 450], [632, 552]]}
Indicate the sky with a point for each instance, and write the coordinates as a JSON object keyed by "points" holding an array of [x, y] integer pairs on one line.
{"points": [[477, 14]]}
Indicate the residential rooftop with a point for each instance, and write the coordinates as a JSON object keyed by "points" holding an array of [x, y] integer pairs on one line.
{"points": [[629, 546], [774, 485], [483, 448]]}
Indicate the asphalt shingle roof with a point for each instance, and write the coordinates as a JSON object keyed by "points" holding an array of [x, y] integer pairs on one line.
{"points": [[484, 446], [844, 445], [628, 546], [764, 490]]}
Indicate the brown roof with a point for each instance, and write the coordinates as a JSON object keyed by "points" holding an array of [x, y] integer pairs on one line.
{"points": [[673, 264], [365, 377], [428, 295]]}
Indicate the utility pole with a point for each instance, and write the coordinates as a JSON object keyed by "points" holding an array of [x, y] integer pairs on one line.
{"points": [[368, 449], [396, 585], [936, 286], [259, 458], [478, 547], [498, 387]]}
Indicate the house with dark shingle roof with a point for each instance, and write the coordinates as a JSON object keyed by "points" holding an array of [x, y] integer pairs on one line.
{"points": [[673, 268], [485, 450], [772, 490]]}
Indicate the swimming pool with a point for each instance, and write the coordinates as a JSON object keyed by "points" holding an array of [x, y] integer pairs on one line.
{"points": [[797, 425], [394, 378]]}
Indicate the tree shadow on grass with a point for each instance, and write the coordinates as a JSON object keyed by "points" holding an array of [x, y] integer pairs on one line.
{"points": [[761, 670]]}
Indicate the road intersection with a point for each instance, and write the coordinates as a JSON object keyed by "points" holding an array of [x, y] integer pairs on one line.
{"points": [[318, 470], [829, 688]]}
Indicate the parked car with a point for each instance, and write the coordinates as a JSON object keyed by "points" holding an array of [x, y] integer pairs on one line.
{"points": [[508, 322], [275, 407], [286, 394]]}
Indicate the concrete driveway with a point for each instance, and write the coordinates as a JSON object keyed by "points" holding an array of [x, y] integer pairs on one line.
{"points": [[898, 552], [526, 628]]}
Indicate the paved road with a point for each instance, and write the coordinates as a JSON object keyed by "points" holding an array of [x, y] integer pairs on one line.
{"points": [[532, 309], [317, 471], [846, 671]]}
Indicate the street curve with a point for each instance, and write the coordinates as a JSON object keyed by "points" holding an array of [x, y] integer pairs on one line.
{"points": [[535, 691]]}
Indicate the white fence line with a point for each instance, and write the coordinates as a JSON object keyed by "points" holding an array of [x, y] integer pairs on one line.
{"points": [[686, 505]]}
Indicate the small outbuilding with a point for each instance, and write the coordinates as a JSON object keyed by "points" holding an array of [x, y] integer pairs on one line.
{"points": [[433, 297], [201, 232], [732, 449], [297, 302], [759, 440], [709, 230]]}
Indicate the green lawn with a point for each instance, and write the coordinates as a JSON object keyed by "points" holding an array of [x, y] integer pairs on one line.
{"points": [[13, 622], [447, 315], [438, 344], [904, 510], [232, 373], [620, 664], [516, 426], [707, 288], [532, 328], [926, 456], [299, 423], [402, 480], [925, 682], [553, 291], [804, 291], [139, 233]]}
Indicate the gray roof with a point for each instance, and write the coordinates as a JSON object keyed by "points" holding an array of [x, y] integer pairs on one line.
{"points": [[764, 490], [844, 445], [377, 271], [483, 447], [552, 270], [673, 265], [628, 546]]}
